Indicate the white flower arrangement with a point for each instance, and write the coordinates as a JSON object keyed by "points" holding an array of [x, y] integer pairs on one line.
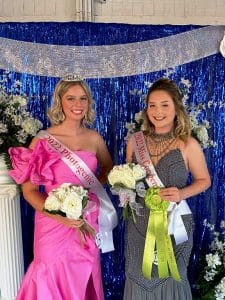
{"points": [[126, 181], [68, 199], [17, 126], [211, 283], [71, 201], [199, 125]]}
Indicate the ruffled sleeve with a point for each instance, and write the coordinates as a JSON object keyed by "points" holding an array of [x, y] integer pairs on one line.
{"points": [[36, 165]]}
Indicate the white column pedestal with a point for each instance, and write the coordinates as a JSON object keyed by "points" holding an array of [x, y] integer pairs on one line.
{"points": [[11, 247]]}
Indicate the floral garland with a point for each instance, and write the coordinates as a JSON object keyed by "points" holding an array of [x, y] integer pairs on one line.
{"points": [[199, 125]]}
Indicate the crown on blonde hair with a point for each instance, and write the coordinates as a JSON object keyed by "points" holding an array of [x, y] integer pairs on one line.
{"points": [[72, 77]]}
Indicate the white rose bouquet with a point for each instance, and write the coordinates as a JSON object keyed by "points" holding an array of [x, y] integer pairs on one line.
{"points": [[126, 181], [73, 202]]}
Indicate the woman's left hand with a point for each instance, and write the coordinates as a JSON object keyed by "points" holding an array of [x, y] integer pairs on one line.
{"points": [[171, 194]]}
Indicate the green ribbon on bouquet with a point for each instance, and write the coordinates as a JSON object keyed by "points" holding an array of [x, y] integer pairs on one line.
{"points": [[157, 237]]}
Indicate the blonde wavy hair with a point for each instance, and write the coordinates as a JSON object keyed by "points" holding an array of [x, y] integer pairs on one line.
{"points": [[55, 112], [182, 126]]}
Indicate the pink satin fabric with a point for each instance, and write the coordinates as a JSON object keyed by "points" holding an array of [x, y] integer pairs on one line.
{"points": [[62, 269]]}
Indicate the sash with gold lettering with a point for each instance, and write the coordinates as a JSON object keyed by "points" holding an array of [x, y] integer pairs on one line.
{"points": [[107, 215], [170, 216]]}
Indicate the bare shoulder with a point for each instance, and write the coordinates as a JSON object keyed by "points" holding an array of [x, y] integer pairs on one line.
{"points": [[192, 149], [93, 135], [34, 142], [54, 130], [192, 144]]}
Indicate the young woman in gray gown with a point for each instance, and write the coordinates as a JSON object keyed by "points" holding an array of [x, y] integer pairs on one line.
{"points": [[174, 153]]}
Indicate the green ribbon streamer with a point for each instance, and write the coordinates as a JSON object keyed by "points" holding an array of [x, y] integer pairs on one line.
{"points": [[157, 237]]}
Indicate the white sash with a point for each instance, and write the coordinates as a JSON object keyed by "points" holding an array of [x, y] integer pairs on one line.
{"points": [[175, 222], [107, 215]]}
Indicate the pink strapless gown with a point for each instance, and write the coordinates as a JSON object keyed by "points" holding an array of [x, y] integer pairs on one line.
{"points": [[62, 269]]}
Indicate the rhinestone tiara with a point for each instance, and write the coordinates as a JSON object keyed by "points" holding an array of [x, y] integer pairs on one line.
{"points": [[72, 77]]}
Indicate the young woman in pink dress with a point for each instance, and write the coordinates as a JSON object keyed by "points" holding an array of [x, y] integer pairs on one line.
{"points": [[62, 268]]}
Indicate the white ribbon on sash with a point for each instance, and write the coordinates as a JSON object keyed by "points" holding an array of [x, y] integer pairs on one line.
{"points": [[107, 215], [175, 211]]}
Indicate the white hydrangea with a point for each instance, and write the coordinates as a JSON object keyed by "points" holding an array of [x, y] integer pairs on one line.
{"points": [[213, 260], [220, 290], [31, 126], [201, 134], [21, 136], [138, 117], [3, 128], [17, 122], [20, 100]]}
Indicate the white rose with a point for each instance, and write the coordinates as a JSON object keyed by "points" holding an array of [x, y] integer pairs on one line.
{"points": [[81, 192], [52, 203], [72, 206], [122, 174], [138, 172], [128, 181], [114, 175], [222, 46], [65, 185]]}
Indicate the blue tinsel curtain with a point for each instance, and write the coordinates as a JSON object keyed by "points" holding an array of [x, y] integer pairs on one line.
{"points": [[117, 99]]}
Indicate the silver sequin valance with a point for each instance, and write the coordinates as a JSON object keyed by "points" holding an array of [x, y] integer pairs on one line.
{"points": [[110, 61]]}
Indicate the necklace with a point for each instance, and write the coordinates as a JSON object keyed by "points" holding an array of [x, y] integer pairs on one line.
{"points": [[159, 144]]}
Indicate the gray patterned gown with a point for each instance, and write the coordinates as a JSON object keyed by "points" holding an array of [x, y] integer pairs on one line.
{"points": [[172, 172]]}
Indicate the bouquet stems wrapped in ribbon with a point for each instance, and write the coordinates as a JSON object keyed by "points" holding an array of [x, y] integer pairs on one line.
{"points": [[126, 182], [72, 201], [157, 238]]}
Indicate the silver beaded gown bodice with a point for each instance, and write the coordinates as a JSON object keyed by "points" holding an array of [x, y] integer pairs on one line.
{"points": [[172, 171]]}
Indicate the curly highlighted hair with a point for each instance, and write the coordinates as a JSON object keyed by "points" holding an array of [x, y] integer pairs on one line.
{"points": [[55, 112], [182, 126]]}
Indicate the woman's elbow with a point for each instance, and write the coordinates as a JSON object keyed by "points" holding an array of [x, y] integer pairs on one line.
{"points": [[207, 182]]}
